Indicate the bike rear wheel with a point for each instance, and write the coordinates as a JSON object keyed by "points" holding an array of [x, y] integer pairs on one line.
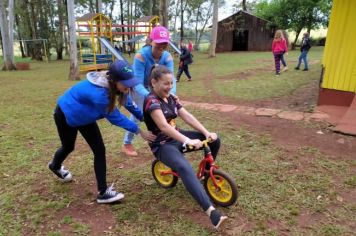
{"points": [[226, 193], [165, 181]]}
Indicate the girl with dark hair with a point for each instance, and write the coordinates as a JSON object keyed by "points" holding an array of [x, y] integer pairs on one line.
{"points": [[81, 106], [160, 111]]}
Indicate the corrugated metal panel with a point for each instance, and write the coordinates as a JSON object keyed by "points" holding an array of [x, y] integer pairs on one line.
{"points": [[339, 57]]}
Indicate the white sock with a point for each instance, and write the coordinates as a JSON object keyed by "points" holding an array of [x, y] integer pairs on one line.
{"points": [[210, 209]]}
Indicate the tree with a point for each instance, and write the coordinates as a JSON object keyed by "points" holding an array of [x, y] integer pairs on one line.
{"points": [[295, 15], [214, 30], [60, 31], [73, 69], [203, 13], [163, 12], [7, 34]]}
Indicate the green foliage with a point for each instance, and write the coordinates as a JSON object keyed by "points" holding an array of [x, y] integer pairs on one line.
{"points": [[295, 15]]}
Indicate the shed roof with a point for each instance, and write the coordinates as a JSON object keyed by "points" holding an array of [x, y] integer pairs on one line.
{"points": [[146, 19], [245, 12], [92, 16]]}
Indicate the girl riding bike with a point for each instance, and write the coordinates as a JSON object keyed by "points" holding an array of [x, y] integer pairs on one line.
{"points": [[160, 111]]}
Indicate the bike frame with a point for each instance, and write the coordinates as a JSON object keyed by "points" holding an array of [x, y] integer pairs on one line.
{"points": [[208, 159]]}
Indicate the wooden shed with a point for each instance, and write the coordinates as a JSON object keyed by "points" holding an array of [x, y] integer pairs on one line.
{"points": [[243, 31]]}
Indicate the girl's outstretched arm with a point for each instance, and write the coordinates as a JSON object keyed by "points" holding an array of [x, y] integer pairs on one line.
{"points": [[162, 124], [193, 122]]}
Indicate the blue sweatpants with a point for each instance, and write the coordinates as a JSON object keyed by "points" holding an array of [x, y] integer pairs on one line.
{"points": [[171, 155]]}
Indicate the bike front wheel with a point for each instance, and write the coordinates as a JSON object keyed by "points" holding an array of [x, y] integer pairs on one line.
{"points": [[226, 192], [164, 180]]}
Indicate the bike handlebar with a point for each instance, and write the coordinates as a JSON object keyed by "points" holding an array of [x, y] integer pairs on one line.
{"points": [[205, 144]]}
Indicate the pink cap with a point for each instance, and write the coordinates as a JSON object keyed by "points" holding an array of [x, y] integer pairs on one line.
{"points": [[159, 34]]}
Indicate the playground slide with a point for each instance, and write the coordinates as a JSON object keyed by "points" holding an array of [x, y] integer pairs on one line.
{"points": [[108, 45], [174, 47], [118, 56]]}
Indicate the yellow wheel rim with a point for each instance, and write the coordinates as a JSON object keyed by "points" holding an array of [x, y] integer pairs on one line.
{"points": [[224, 194], [163, 179]]}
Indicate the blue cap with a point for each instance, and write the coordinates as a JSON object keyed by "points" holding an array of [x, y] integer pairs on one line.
{"points": [[121, 71]]}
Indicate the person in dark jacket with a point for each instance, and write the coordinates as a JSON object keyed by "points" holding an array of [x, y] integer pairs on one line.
{"points": [[81, 106], [304, 48], [184, 60]]}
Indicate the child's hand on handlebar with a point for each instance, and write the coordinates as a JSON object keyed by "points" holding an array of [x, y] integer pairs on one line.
{"points": [[211, 136], [195, 143]]}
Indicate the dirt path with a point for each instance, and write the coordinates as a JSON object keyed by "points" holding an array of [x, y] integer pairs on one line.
{"points": [[302, 99]]}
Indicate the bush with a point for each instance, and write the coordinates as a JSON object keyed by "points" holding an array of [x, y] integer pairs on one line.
{"points": [[318, 41]]}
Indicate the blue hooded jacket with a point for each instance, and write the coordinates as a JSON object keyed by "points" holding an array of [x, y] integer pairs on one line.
{"points": [[88, 101]]}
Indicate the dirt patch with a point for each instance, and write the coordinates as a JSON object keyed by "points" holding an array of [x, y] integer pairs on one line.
{"points": [[299, 135], [302, 99], [97, 219]]}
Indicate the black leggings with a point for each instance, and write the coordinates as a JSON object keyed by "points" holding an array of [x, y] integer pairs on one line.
{"points": [[171, 155], [92, 135]]}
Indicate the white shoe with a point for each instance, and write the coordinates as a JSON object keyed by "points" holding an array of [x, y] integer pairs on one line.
{"points": [[109, 196]]}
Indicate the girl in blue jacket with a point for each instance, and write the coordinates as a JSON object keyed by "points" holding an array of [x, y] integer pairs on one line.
{"points": [[81, 106]]}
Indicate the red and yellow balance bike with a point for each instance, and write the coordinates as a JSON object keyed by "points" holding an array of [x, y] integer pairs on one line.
{"points": [[219, 186]]}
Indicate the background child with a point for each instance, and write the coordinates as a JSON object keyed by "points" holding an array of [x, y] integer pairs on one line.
{"points": [[304, 49], [185, 59], [279, 47]]}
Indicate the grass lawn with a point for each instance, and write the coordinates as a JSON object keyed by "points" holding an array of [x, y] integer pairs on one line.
{"points": [[278, 187]]}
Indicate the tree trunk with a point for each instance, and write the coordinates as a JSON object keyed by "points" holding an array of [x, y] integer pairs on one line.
{"points": [[8, 50], [296, 38], [214, 30], [99, 6], [244, 7], [201, 31], [196, 27], [65, 35], [175, 19], [150, 4], [112, 4], [181, 21], [59, 47], [73, 70], [163, 13], [122, 22], [20, 36]]}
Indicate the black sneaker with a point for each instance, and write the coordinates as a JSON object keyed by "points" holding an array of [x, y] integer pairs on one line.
{"points": [[62, 173], [305, 69], [216, 218], [296, 68], [109, 196]]}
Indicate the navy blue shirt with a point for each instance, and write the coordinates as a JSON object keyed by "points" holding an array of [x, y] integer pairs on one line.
{"points": [[170, 112]]}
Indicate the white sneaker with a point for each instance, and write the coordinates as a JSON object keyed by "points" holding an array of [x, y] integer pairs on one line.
{"points": [[109, 196], [285, 68], [62, 173]]}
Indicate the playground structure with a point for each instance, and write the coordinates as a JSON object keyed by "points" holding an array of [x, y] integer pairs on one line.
{"points": [[96, 37]]}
